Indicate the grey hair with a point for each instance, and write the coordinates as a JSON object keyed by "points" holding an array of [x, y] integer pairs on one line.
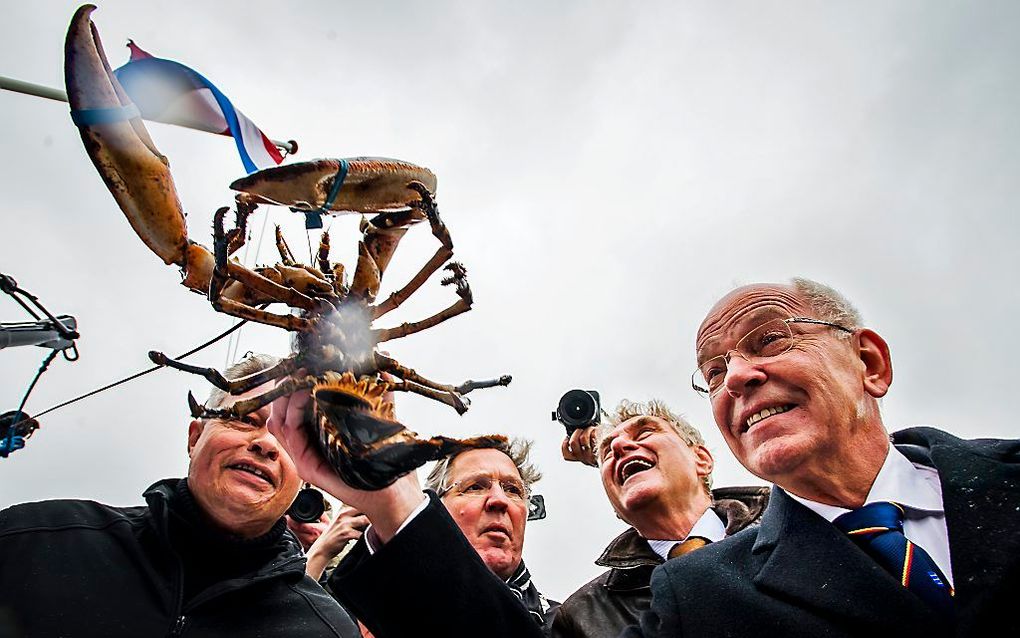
{"points": [[517, 449], [251, 363], [828, 303], [626, 410]]}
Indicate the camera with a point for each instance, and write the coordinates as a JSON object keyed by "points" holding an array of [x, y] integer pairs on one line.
{"points": [[309, 505], [578, 409], [536, 507]]}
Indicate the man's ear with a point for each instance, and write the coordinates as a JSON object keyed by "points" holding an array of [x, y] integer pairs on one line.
{"points": [[704, 463], [874, 353], [194, 431]]}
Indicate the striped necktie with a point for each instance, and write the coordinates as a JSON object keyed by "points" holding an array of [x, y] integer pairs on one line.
{"points": [[878, 529]]}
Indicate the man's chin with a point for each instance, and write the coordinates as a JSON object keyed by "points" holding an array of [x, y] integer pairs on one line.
{"points": [[776, 458], [497, 559]]}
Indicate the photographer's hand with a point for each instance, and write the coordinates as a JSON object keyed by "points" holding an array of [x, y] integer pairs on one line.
{"points": [[580, 446], [346, 527], [308, 533]]}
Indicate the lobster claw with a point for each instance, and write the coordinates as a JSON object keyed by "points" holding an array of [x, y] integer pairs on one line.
{"points": [[118, 144], [358, 436]]}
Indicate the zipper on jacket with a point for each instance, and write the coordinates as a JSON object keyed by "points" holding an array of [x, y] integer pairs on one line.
{"points": [[178, 626]]}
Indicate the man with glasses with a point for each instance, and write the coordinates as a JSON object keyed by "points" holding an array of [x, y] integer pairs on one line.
{"points": [[486, 493], [918, 538]]}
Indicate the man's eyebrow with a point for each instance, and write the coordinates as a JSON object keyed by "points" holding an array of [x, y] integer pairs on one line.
{"points": [[604, 442], [747, 323]]}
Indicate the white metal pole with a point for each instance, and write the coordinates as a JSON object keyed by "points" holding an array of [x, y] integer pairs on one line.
{"points": [[50, 93]]}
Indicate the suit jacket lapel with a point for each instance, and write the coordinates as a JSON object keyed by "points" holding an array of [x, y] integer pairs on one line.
{"points": [[981, 496], [805, 559]]}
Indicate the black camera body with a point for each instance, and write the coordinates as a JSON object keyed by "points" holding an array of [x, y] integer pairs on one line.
{"points": [[578, 409], [309, 505]]}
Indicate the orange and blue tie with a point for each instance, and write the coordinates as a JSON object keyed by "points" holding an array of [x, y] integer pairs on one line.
{"points": [[878, 529]]}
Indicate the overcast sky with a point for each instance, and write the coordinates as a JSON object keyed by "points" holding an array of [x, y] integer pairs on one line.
{"points": [[607, 171]]}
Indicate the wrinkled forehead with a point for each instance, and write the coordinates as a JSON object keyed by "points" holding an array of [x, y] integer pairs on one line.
{"points": [[485, 462], [744, 309]]}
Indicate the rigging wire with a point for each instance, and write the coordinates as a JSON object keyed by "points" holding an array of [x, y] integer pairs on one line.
{"points": [[234, 343], [236, 326]]}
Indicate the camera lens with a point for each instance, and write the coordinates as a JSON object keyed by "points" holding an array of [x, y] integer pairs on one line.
{"points": [[308, 506], [577, 408]]}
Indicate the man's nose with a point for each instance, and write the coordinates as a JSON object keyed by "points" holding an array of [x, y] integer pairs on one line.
{"points": [[265, 444], [621, 444], [742, 374], [497, 498]]}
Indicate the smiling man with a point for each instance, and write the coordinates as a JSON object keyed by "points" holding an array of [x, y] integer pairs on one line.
{"points": [[861, 537], [208, 555], [657, 474]]}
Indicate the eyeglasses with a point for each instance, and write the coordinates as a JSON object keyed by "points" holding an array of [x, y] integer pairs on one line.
{"points": [[481, 486], [768, 340]]}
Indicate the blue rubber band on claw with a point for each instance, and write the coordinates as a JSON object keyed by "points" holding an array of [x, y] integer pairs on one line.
{"points": [[91, 117], [313, 218]]}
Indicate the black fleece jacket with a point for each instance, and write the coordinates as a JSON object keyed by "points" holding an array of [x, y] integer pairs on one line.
{"points": [[81, 568]]}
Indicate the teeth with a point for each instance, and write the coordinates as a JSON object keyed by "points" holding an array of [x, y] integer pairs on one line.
{"points": [[252, 470], [766, 413], [632, 467]]}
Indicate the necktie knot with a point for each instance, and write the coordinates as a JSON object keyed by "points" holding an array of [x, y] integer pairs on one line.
{"points": [[692, 543], [872, 519]]}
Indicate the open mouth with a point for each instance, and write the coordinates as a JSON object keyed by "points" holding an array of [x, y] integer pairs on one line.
{"points": [[255, 471], [758, 417], [631, 467]]}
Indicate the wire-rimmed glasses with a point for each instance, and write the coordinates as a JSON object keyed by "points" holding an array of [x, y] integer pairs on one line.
{"points": [[770, 339], [481, 485]]}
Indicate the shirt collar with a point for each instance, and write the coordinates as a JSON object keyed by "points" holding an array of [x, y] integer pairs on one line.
{"points": [[709, 526], [913, 486]]}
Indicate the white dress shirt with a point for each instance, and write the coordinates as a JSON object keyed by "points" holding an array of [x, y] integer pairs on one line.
{"points": [[709, 526], [917, 489]]}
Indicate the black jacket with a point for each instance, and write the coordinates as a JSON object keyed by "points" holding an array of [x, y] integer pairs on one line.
{"points": [[797, 575], [80, 568], [618, 597]]}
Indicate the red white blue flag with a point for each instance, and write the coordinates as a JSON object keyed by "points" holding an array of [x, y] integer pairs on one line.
{"points": [[169, 92]]}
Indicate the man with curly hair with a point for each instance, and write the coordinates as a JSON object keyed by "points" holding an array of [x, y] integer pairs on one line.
{"points": [[657, 473]]}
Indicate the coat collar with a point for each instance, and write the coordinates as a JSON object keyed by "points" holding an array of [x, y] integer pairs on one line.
{"points": [[632, 559], [799, 555], [981, 495]]}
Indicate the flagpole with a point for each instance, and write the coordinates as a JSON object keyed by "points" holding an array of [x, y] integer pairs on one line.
{"points": [[50, 93]]}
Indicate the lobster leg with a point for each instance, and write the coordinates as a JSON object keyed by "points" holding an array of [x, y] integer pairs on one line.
{"points": [[231, 386], [281, 245], [459, 278], [380, 237], [247, 406], [388, 364], [244, 311], [323, 254], [447, 398], [427, 205]]}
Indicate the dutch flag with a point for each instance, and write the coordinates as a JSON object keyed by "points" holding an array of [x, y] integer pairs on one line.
{"points": [[169, 92]]}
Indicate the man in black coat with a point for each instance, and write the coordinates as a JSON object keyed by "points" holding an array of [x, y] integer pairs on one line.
{"points": [[794, 380], [206, 556]]}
